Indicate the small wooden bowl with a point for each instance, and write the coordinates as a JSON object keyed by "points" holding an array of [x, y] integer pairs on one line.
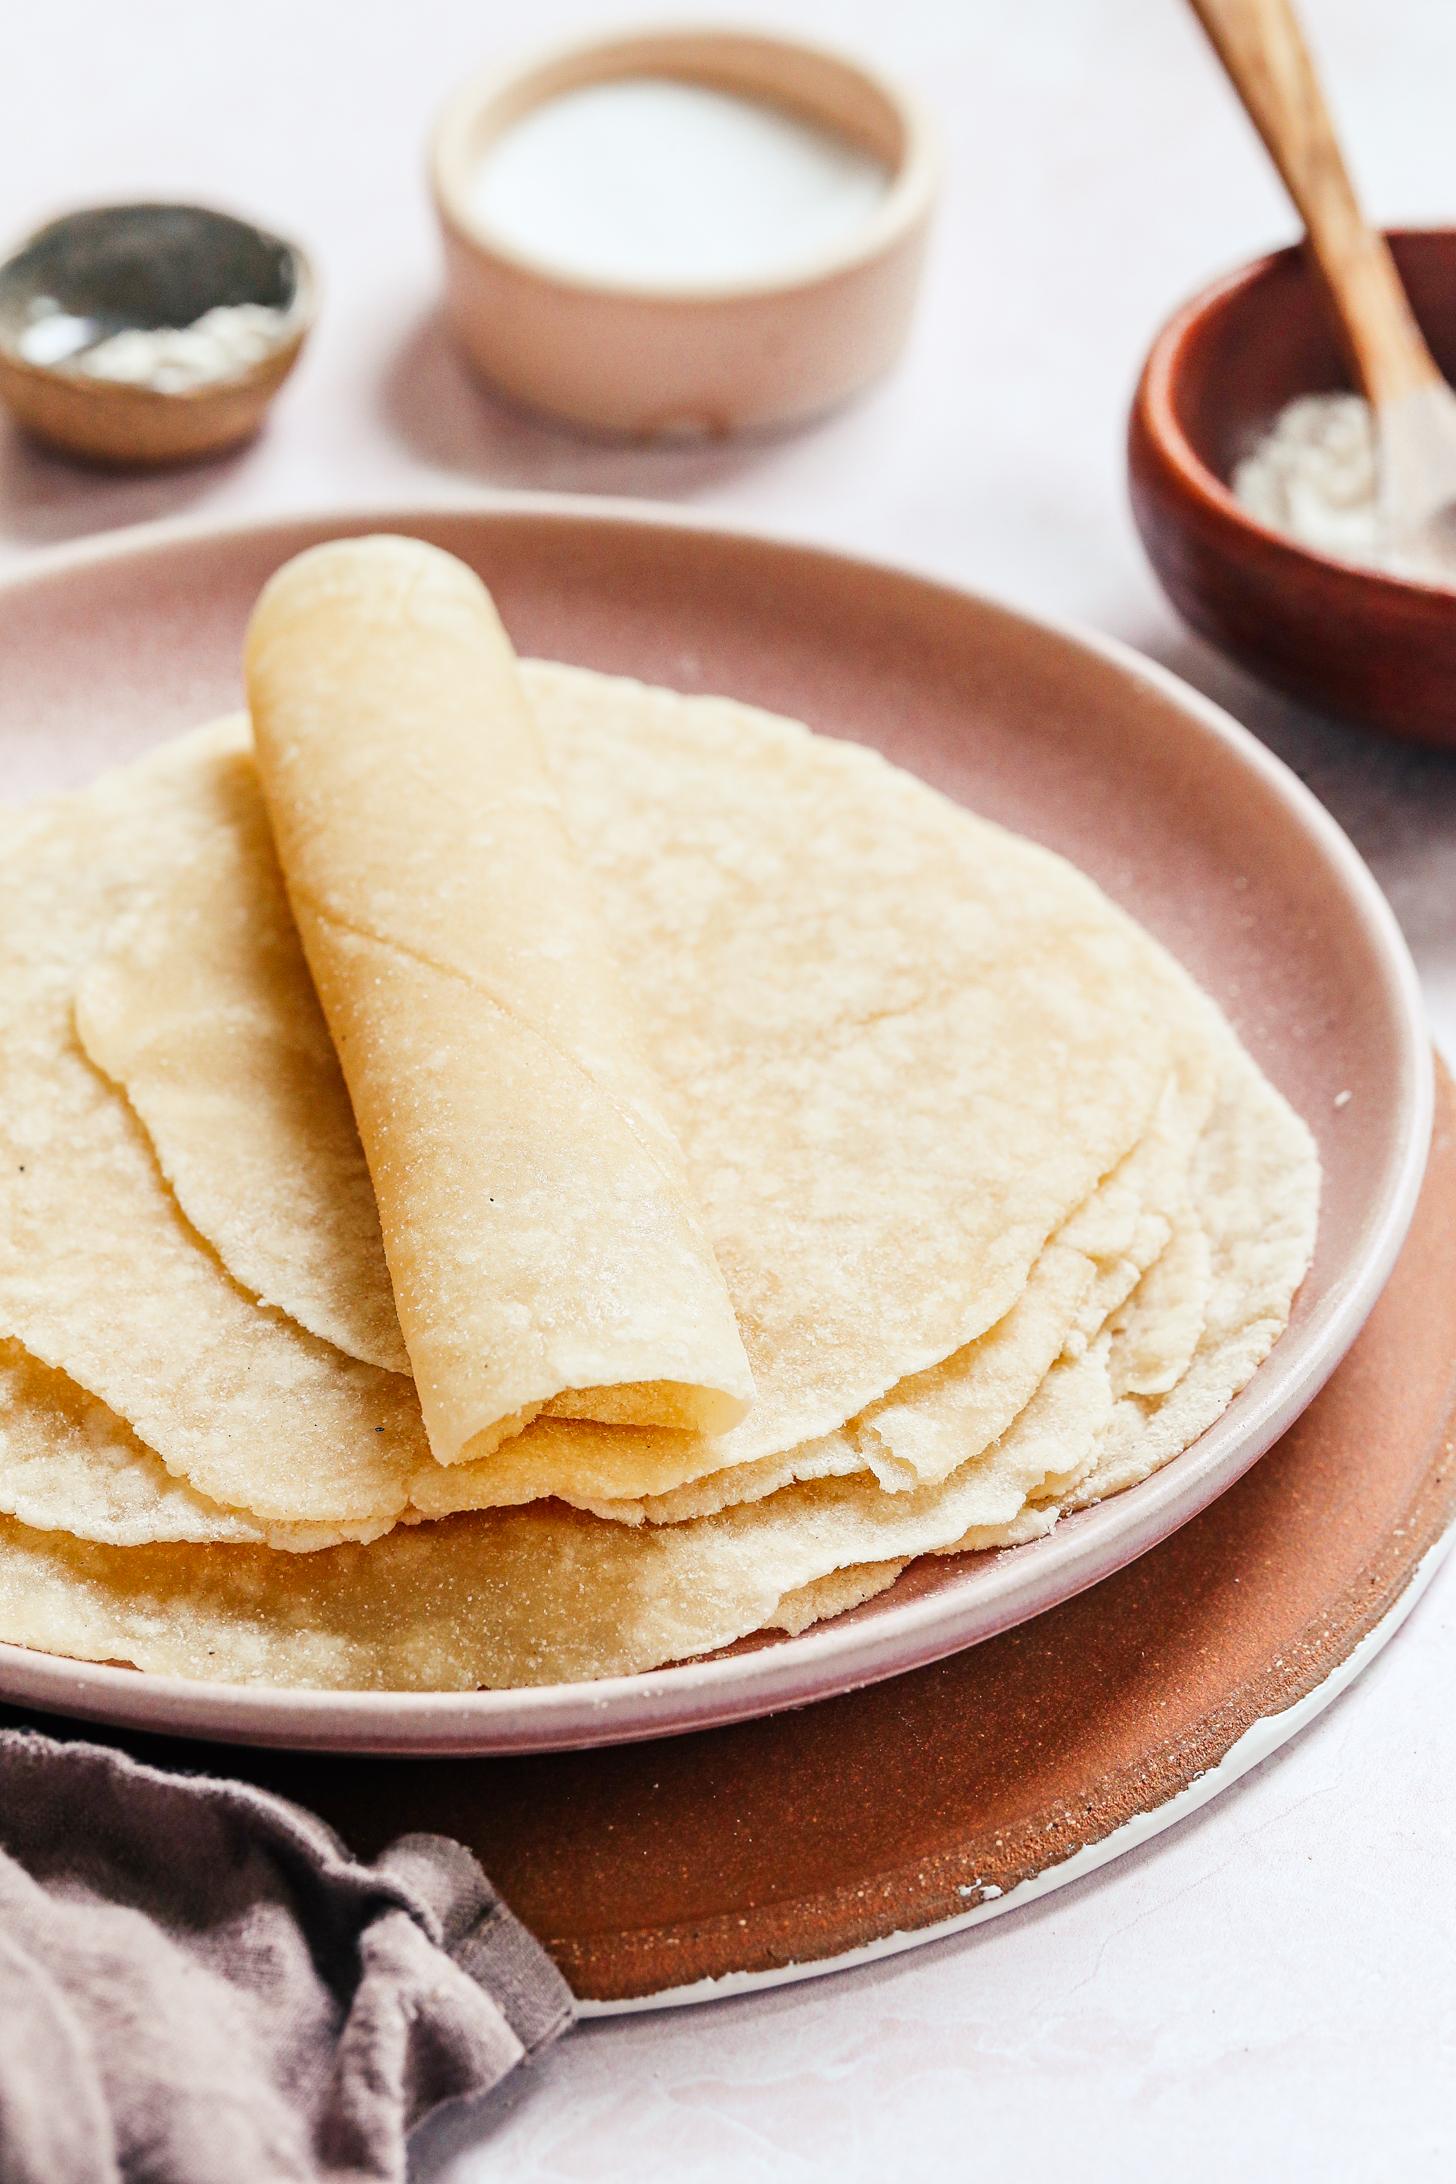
{"points": [[1376, 648], [148, 266], [687, 362]]}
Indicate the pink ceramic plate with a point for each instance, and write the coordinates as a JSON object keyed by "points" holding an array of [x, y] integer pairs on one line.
{"points": [[1178, 813]]}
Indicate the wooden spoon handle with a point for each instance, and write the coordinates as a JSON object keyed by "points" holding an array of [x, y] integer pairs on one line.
{"points": [[1264, 53]]}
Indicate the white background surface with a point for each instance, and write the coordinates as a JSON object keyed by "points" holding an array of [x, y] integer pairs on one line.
{"points": [[1271, 1992]]}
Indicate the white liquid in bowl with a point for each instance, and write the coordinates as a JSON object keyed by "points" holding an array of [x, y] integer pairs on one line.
{"points": [[647, 182]]}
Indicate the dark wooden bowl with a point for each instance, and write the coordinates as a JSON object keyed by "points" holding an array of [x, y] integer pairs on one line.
{"points": [[1377, 649]]}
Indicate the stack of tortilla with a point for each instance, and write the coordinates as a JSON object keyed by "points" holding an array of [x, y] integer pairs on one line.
{"points": [[508, 1176]]}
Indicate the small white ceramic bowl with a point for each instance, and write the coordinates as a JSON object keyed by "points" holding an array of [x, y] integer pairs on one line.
{"points": [[681, 361]]}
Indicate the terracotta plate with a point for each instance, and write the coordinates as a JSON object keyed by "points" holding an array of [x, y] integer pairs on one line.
{"points": [[778, 1849], [1177, 812]]}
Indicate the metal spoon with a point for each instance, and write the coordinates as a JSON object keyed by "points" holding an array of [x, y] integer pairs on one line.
{"points": [[1263, 50]]}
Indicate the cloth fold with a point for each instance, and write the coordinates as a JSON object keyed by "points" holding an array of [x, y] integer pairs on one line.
{"points": [[200, 1985]]}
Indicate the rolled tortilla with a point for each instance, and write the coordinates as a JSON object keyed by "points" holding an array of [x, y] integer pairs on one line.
{"points": [[534, 1205]]}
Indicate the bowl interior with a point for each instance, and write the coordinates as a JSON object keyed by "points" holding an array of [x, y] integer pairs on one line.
{"points": [[1266, 336], [814, 83], [149, 265]]}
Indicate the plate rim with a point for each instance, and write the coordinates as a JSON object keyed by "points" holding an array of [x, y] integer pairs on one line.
{"points": [[1266, 1734], [841, 1654]]}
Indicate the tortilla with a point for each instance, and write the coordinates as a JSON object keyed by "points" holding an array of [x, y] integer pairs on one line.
{"points": [[898, 1046], [190, 817], [933, 1421], [200, 1007], [534, 1207], [835, 1595], [524, 1596], [68, 1464], [1208, 1312], [1256, 1183], [100, 1276], [1171, 1313], [936, 1421], [619, 749], [544, 1594]]}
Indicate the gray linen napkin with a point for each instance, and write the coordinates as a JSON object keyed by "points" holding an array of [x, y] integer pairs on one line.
{"points": [[199, 1985]]}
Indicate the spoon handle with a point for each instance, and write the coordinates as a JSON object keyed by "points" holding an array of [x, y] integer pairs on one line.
{"points": [[1263, 51]]}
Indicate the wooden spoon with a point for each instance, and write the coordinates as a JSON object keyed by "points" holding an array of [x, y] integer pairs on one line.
{"points": [[1263, 50]]}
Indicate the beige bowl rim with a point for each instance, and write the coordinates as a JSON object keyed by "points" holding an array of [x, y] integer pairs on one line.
{"points": [[687, 53]]}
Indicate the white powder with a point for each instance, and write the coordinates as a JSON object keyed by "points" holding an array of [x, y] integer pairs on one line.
{"points": [[219, 346], [1315, 474], [652, 183]]}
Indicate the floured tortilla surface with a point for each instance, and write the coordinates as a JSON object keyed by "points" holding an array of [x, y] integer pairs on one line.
{"points": [[1005, 1214], [955, 1040], [101, 1276], [542, 1242], [199, 1005], [546, 1594], [68, 1464]]}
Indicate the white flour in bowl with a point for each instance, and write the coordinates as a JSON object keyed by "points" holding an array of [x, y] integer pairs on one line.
{"points": [[1315, 474], [649, 183], [222, 345]]}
